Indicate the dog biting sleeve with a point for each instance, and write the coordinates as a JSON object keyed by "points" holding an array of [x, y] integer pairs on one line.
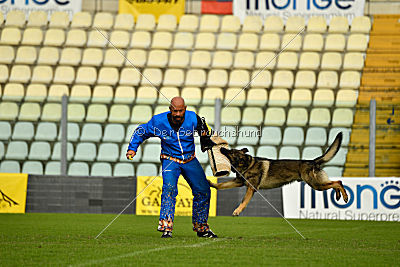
{"points": [[205, 133]]}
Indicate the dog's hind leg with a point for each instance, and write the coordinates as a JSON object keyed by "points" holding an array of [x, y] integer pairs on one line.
{"points": [[337, 185], [226, 185], [249, 194]]}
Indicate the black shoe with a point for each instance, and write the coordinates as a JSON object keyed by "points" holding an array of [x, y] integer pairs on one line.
{"points": [[207, 234], [167, 234]]}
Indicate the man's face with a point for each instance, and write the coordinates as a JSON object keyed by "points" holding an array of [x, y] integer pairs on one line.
{"points": [[178, 113]]}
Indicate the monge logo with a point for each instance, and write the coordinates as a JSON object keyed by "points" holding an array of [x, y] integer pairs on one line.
{"points": [[385, 195], [38, 2], [294, 4]]}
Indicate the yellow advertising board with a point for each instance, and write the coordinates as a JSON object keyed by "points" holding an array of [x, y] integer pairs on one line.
{"points": [[13, 188], [155, 7], [149, 202]]}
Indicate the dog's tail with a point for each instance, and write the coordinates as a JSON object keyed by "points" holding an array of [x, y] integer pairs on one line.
{"points": [[332, 150]]}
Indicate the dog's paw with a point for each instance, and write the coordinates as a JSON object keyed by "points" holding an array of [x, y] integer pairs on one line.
{"points": [[345, 198], [337, 194], [236, 212], [212, 184]]}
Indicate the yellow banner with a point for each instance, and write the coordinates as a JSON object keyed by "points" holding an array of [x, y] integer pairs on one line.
{"points": [[13, 188], [149, 202], [155, 7]]}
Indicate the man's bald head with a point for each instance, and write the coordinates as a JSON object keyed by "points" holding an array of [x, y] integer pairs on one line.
{"points": [[177, 109], [178, 102]]}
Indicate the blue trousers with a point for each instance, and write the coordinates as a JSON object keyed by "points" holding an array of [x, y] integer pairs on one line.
{"points": [[196, 178]]}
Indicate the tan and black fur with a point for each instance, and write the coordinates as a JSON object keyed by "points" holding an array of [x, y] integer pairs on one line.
{"points": [[264, 173]]}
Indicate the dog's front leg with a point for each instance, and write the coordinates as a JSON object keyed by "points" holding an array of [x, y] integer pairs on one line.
{"points": [[226, 185], [249, 194]]}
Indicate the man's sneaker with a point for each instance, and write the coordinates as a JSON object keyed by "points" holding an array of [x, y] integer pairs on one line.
{"points": [[207, 234], [167, 234]]}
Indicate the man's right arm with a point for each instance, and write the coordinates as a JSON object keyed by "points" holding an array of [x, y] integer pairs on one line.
{"points": [[141, 133]]}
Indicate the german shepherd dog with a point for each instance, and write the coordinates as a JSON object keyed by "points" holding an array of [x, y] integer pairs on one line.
{"points": [[263, 173]]}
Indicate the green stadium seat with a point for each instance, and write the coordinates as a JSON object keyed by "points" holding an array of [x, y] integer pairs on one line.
{"points": [[346, 135], [271, 135], [297, 117], [267, 152], [108, 152], [17, 150], [151, 153], [78, 169], [51, 112], [32, 167], [10, 166], [119, 114], [123, 169], [289, 152], [56, 154], [311, 152], [228, 133], [73, 132], [137, 158], [85, 152], [333, 171], [129, 131], [275, 116], [46, 131], [5, 130], [147, 169], [8, 111], [293, 136], [23, 131], [97, 113], [201, 156], [114, 133], [248, 135], [316, 136], [340, 158], [101, 169], [76, 112], [2, 150], [91, 132], [52, 168], [342, 117], [320, 117]]}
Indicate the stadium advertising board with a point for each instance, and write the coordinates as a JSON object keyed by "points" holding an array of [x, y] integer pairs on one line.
{"points": [[221, 7], [370, 199], [303, 8], [155, 7], [13, 188], [148, 203], [50, 6]]}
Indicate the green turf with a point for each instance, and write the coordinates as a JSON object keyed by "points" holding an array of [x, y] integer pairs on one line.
{"points": [[68, 239]]}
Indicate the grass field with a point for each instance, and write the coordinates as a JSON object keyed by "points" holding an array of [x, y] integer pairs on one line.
{"points": [[68, 239]]}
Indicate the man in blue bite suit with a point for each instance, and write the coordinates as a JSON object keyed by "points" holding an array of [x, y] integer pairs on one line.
{"points": [[176, 128]]}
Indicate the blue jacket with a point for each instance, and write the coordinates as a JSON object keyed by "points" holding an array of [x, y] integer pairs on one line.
{"points": [[178, 144]]}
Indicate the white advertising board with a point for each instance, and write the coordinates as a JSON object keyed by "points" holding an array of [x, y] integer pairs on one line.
{"points": [[50, 6], [303, 8], [371, 199]]}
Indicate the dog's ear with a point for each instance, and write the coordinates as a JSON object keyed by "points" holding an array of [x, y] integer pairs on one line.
{"points": [[244, 150]]}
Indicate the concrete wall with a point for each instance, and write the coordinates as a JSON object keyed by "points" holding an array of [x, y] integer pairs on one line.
{"points": [[110, 195]]}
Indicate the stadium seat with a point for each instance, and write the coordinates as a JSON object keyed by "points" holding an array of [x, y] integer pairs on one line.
{"points": [[97, 39], [56, 154], [153, 77], [119, 39], [350, 79], [1, 19], [42, 74], [309, 61], [92, 57], [320, 117], [291, 42], [293, 136], [346, 135], [192, 95], [289, 152], [327, 79], [76, 112], [59, 19], [72, 56], [195, 78], [316, 136], [26, 55], [273, 24], [239, 78], [283, 79], [5, 130], [230, 116], [108, 152], [353, 61], [56, 91], [52, 168], [229, 133], [124, 148], [248, 135], [91, 132], [297, 117], [103, 21], [119, 114], [151, 153], [183, 40], [252, 116], [129, 77], [205, 41], [30, 112], [20, 74], [64, 75], [357, 42], [141, 114], [266, 60], [146, 95], [252, 24], [124, 95], [32, 36], [178, 59], [209, 23], [81, 20], [269, 152], [335, 42], [338, 24], [46, 131], [73, 132], [101, 169], [188, 23], [112, 58], [13, 92], [17, 150], [257, 97], [361, 24], [333, 171], [342, 117], [340, 158], [78, 169], [97, 113], [202, 157], [15, 18], [301, 98], [102, 94], [166, 94], [207, 112], [108, 76], [294, 24], [147, 169], [166, 22], [48, 56], [226, 41], [248, 41], [145, 22], [123, 169], [331, 61], [32, 167], [200, 59], [39, 150], [235, 96], [8, 111], [7, 54], [275, 116], [323, 98], [3, 73], [346, 98], [136, 57], [210, 94], [162, 40], [36, 93], [124, 22], [287, 61], [23, 131], [85, 152], [217, 78], [86, 75], [311, 152], [157, 58], [261, 79], [244, 60], [230, 23], [76, 38], [271, 135], [10, 166], [114, 132], [222, 59], [54, 37], [279, 97], [316, 24], [140, 39], [313, 42], [80, 94], [270, 42]]}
